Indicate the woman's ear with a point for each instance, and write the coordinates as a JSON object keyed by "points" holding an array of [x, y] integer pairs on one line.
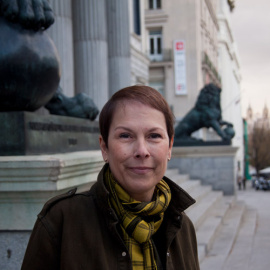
{"points": [[103, 148], [170, 149]]}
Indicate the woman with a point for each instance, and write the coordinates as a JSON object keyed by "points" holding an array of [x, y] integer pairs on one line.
{"points": [[132, 218]]}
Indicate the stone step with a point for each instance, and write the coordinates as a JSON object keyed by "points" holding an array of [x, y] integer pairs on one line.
{"points": [[171, 173], [181, 178], [175, 176], [242, 249], [189, 185], [225, 238], [214, 216], [200, 211], [199, 192], [207, 231]]}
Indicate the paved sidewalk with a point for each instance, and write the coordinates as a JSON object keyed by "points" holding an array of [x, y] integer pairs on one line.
{"points": [[258, 251]]}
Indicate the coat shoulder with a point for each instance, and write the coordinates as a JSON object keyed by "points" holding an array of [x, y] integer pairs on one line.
{"points": [[60, 198]]}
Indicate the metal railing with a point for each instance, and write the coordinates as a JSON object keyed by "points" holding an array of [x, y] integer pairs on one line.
{"points": [[163, 56]]}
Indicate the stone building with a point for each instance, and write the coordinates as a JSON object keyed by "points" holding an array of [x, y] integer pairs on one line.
{"points": [[101, 46], [229, 68], [208, 54], [176, 46], [106, 45], [183, 49], [256, 119]]}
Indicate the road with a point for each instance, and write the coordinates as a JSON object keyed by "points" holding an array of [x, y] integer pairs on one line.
{"points": [[259, 257]]}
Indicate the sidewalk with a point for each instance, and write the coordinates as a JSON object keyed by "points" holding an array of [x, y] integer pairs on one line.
{"points": [[252, 250]]}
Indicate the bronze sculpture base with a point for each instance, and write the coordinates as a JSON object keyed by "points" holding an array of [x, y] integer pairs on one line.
{"points": [[179, 142], [25, 133]]}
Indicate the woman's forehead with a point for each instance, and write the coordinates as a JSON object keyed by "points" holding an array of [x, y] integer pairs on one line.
{"points": [[134, 106], [129, 103], [135, 113]]}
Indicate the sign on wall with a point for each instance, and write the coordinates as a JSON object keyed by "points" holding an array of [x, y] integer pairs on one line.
{"points": [[180, 67]]}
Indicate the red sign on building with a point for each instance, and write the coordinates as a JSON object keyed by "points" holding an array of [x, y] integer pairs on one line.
{"points": [[179, 46], [180, 67]]}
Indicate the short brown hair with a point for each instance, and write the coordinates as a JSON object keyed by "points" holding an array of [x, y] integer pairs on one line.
{"points": [[141, 93]]}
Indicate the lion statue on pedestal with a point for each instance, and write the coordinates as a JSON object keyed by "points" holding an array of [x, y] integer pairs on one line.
{"points": [[206, 113]]}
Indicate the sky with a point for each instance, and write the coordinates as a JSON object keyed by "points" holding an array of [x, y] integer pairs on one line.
{"points": [[250, 22]]}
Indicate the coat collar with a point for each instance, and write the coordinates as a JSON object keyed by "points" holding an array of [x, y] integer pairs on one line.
{"points": [[181, 200]]}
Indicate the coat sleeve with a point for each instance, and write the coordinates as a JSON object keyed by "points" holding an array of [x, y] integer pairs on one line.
{"points": [[44, 247], [42, 251], [189, 250], [184, 253]]}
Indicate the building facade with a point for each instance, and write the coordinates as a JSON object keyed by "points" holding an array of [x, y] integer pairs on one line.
{"points": [[101, 46], [182, 39], [174, 46], [194, 39], [229, 67]]}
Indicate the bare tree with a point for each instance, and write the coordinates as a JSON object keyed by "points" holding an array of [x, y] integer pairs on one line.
{"points": [[259, 145]]}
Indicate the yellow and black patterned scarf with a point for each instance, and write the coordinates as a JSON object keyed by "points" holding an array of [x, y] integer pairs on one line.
{"points": [[139, 220]]}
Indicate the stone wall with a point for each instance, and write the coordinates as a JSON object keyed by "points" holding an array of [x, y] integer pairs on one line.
{"points": [[213, 165], [27, 182]]}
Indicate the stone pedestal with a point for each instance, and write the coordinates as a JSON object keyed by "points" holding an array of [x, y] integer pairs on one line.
{"points": [[213, 165], [25, 133], [26, 183]]}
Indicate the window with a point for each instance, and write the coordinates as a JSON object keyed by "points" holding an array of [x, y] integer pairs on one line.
{"points": [[159, 86], [154, 4], [155, 45], [136, 17]]}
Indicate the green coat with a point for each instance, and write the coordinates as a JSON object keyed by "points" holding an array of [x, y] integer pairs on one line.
{"points": [[80, 231]]}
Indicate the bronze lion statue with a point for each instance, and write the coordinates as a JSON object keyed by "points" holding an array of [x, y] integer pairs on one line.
{"points": [[30, 64], [30, 14], [80, 106], [206, 113]]}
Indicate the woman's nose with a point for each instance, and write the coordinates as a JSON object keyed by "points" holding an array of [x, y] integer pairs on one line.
{"points": [[141, 149]]}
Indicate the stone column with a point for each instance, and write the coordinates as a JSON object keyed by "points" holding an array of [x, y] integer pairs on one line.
{"points": [[91, 49], [62, 35], [118, 44]]}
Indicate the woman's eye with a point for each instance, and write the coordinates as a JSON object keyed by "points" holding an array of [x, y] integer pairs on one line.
{"points": [[124, 135], [155, 136]]}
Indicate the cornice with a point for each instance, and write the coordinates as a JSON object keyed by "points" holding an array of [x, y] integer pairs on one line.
{"points": [[212, 12], [155, 18], [222, 18]]}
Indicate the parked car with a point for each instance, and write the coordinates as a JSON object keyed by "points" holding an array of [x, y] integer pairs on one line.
{"points": [[262, 184]]}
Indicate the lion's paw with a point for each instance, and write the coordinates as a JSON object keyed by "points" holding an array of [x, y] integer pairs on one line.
{"points": [[30, 14]]}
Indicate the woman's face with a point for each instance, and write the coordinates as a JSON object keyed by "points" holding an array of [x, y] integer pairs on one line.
{"points": [[138, 148]]}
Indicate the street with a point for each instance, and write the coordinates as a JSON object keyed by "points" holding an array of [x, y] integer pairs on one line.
{"points": [[257, 256]]}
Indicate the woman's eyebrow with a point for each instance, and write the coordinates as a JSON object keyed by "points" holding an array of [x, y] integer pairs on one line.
{"points": [[130, 129], [123, 127], [156, 129]]}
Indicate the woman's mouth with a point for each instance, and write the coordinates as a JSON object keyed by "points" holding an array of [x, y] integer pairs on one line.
{"points": [[140, 169]]}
